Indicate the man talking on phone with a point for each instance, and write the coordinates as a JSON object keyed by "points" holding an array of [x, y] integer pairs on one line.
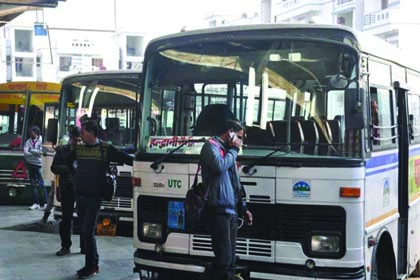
{"points": [[219, 174]]}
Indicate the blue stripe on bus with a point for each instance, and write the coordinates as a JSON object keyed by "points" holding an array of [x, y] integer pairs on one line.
{"points": [[381, 170], [382, 160], [415, 152], [387, 159]]}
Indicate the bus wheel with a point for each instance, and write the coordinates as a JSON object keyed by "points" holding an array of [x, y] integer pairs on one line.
{"points": [[385, 267], [416, 272]]}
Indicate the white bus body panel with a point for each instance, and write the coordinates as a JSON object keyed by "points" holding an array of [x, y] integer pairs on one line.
{"points": [[324, 191]]}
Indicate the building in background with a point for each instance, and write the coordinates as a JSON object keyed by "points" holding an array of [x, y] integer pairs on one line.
{"points": [[78, 36], [395, 21]]}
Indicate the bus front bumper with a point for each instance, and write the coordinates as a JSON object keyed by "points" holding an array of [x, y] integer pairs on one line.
{"points": [[186, 264]]}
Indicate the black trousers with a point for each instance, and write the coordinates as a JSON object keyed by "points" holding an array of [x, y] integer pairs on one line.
{"points": [[223, 229], [87, 210], [67, 208]]}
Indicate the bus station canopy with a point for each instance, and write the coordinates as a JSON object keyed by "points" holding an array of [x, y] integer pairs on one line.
{"points": [[10, 9]]}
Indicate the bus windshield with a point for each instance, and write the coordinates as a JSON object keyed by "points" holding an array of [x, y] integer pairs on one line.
{"points": [[38, 99], [289, 92], [109, 98]]}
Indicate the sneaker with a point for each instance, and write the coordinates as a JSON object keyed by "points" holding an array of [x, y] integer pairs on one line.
{"points": [[86, 272], [63, 251], [45, 206], [34, 206]]}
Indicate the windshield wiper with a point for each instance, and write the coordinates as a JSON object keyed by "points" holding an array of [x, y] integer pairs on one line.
{"points": [[250, 170], [157, 164]]}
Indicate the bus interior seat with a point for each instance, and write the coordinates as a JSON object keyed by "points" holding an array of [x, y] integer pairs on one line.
{"points": [[310, 133], [257, 136], [324, 136], [112, 130], [211, 120], [336, 138], [278, 131]]}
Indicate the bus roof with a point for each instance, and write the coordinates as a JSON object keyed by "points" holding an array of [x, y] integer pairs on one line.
{"points": [[247, 28], [375, 46], [101, 75], [363, 42]]}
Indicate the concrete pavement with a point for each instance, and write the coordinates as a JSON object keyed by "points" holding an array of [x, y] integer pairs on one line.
{"points": [[30, 255]]}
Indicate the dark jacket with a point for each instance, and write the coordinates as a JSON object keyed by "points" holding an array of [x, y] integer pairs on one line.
{"points": [[89, 163], [59, 167], [219, 173]]}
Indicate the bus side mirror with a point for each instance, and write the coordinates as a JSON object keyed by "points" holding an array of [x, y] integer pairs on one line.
{"points": [[354, 113], [52, 131]]}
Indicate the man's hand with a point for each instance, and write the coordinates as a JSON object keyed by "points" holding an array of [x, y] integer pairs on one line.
{"points": [[237, 142], [248, 218]]}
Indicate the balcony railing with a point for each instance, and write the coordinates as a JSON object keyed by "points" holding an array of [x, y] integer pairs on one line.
{"points": [[381, 17], [342, 2], [292, 4]]}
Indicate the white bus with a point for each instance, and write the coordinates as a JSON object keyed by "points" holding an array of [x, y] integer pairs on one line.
{"points": [[335, 193], [110, 97]]}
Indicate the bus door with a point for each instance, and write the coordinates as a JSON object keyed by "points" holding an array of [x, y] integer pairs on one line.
{"points": [[409, 192]]}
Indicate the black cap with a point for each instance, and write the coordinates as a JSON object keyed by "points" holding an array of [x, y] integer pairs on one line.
{"points": [[75, 131], [35, 129]]}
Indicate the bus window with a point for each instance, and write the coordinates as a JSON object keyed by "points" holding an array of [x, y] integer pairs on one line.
{"points": [[111, 102], [15, 118], [414, 110], [382, 117]]}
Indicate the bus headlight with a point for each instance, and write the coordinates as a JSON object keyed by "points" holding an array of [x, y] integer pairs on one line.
{"points": [[12, 192], [152, 230], [325, 244]]}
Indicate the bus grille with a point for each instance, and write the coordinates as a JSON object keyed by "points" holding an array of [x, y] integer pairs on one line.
{"points": [[118, 202], [244, 247], [6, 177], [293, 222], [286, 222], [124, 185]]}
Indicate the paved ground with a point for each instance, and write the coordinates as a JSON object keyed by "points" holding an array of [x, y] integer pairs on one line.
{"points": [[27, 250], [28, 246]]}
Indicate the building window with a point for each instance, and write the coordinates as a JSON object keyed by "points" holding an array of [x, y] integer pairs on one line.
{"points": [[23, 41], [98, 63], [24, 66], [341, 20], [384, 4], [65, 63], [134, 45]]}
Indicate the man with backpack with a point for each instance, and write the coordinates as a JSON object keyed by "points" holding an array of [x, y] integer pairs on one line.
{"points": [[220, 175], [89, 163], [66, 189]]}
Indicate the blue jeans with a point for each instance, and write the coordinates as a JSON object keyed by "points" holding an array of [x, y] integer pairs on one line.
{"points": [[37, 182], [223, 229], [87, 210]]}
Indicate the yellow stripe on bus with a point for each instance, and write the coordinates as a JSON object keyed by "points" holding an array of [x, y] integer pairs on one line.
{"points": [[414, 197], [33, 86], [382, 217]]}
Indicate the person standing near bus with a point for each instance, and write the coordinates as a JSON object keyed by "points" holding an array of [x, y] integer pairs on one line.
{"points": [[89, 163], [66, 189], [32, 153], [219, 174], [375, 122]]}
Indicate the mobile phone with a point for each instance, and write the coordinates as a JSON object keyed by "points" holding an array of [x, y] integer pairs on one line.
{"points": [[232, 135]]}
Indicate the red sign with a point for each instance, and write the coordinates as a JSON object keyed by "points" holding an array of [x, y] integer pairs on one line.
{"points": [[20, 170]]}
